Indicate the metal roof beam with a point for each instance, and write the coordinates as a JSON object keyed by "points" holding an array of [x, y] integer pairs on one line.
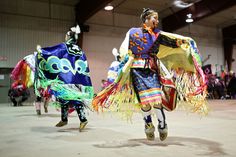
{"points": [[198, 10], [87, 8], [229, 39]]}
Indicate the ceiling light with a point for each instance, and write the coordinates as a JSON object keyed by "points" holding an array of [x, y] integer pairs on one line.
{"points": [[109, 7], [189, 18]]}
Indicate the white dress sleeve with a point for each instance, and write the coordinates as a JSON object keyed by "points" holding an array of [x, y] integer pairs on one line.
{"points": [[125, 45]]}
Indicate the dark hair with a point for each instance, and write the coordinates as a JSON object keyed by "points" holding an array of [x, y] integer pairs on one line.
{"points": [[70, 33], [146, 12], [72, 36], [118, 58]]}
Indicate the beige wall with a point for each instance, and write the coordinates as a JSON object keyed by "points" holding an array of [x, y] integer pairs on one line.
{"points": [[22, 28], [24, 24]]}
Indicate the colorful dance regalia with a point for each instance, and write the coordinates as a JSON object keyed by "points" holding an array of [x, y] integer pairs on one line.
{"points": [[113, 72], [179, 77], [63, 69], [24, 71]]}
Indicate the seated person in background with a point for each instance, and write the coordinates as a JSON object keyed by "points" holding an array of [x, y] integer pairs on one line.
{"points": [[219, 88], [231, 88]]}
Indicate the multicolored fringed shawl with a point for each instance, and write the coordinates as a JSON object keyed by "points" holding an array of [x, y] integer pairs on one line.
{"points": [[25, 71], [63, 69], [183, 82]]}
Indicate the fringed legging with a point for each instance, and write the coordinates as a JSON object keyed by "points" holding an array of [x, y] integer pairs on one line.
{"points": [[79, 109], [158, 109]]}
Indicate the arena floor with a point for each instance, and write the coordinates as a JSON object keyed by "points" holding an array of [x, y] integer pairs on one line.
{"points": [[24, 134]]}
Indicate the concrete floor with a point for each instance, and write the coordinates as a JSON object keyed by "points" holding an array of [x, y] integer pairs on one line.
{"points": [[24, 134]]}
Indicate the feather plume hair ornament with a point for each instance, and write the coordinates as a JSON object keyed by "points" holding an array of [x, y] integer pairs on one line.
{"points": [[73, 33], [76, 30], [116, 53]]}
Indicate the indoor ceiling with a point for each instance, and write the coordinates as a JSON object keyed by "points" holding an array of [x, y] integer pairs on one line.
{"points": [[165, 8], [62, 2], [135, 7], [220, 18]]}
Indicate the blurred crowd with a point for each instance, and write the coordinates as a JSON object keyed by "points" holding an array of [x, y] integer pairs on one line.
{"points": [[223, 86]]}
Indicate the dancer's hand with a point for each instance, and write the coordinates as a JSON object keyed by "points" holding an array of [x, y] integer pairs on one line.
{"points": [[38, 48], [129, 62]]}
